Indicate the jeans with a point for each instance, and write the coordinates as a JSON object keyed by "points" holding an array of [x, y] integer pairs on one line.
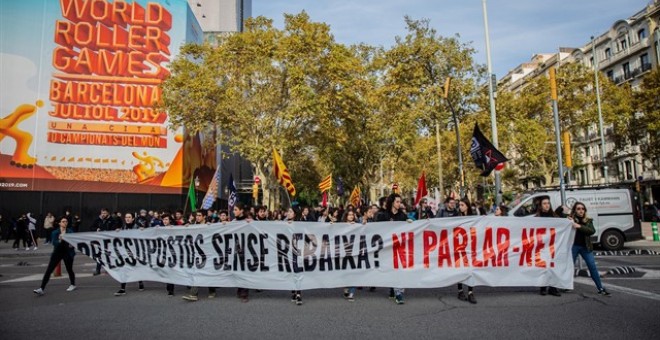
{"points": [[588, 257]]}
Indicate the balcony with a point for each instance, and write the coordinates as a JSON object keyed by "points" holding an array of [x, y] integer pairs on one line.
{"points": [[618, 55]]}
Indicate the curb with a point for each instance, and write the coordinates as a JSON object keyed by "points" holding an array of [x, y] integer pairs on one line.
{"points": [[626, 252]]}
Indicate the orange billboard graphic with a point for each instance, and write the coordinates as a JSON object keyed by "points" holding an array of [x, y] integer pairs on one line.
{"points": [[93, 114]]}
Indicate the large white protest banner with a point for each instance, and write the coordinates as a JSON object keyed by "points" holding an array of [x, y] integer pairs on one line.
{"points": [[477, 250]]}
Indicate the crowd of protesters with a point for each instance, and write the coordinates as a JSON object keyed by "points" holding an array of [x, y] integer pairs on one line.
{"points": [[391, 208]]}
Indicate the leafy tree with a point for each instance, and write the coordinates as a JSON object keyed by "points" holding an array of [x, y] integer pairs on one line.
{"points": [[267, 88], [647, 125], [414, 74]]}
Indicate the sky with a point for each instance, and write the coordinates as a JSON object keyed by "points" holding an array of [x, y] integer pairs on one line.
{"points": [[518, 28]]}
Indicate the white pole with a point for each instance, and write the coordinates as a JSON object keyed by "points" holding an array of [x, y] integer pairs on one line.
{"points": [[600, 113], [491, 94]]}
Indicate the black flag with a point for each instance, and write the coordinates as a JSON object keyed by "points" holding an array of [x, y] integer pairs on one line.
{"points": [[485, 156]]}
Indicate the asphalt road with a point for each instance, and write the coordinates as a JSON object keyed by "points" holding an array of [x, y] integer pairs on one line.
{"points": [[632, 312]]}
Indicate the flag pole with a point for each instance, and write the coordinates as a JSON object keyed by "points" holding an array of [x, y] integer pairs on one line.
{"points": [[461, 189]]}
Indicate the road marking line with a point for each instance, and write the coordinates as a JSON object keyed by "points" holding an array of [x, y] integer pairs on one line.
{"points": [[615, 288], [38, 277]]}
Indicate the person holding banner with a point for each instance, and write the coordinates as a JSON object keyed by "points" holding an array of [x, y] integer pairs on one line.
{"points": [[349, 292], [129, 223], [104, 222], [200, 219], [584, 228], [545, 210], [393, 212], [296, 295], [166, 222], [464, 209], [240, 215], [62, 251]]}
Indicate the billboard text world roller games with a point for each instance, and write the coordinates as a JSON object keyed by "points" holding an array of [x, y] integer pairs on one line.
{"points": [[78, 94]]}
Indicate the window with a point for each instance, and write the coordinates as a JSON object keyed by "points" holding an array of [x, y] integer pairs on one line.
{"points": [[587, 151], [626, 70], [530, 206], [645, 62], [610, 74], [641, 34], [608, 53], [591, 61], [624, 44], [629, 174]]}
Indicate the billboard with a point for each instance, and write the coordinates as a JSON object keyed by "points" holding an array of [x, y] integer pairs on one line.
{"points": [[80, 80]]}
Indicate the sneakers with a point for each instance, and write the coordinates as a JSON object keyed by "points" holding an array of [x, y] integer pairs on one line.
{"points": [[350, 297], [346, 293], [603, 292], [190, 297], [141, 287], [71, 288], [471, 298], [398, 299], [461, 295], [27, 248], [170, 293], [35, 248], [96, 273], [39, 291], [391, 293], [211, 295], [293, 297], [120, 292], [298, 299]]}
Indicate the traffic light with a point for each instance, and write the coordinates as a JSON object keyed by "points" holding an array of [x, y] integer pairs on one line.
{"points": [[566, 137]]}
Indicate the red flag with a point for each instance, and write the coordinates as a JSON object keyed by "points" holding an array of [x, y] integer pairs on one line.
{"points": [[324, 203], [421, 188]]}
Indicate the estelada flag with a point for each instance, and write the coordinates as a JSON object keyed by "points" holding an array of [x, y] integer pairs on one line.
{"points": [[486, 157], [355, 198], [421, 188], [326, 184], [282, 173]]}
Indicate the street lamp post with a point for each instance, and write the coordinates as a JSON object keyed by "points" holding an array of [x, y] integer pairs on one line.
{"points": [[491, 95], [600, 113]]}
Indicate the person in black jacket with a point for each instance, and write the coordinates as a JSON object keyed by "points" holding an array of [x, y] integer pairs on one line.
{"points": [[62, 251], [193, 293], [102, 223], [464, 209], [584, 228], [392, 212], [129, 223], [449, 209], [545, 210], [240, 215]]}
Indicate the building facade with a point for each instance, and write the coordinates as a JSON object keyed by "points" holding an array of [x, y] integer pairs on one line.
{"points": [[625, 53], [219, 17]]}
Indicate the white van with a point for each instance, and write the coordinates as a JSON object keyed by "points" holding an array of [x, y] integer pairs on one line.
{"points": [[613, 210]]}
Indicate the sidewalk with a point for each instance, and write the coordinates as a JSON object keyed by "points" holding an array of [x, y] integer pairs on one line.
{"points": [[647, 231], [643, 244], [42, 250]]}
